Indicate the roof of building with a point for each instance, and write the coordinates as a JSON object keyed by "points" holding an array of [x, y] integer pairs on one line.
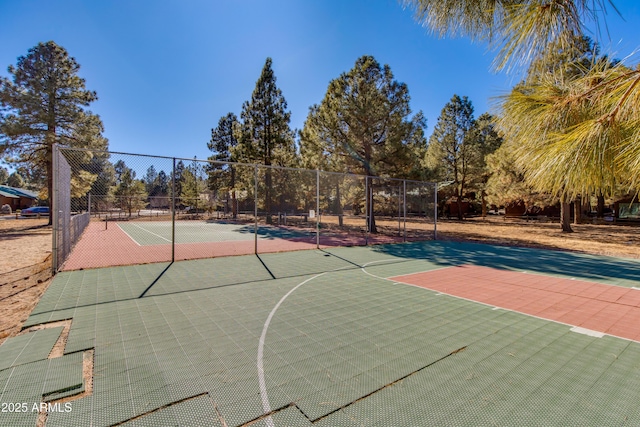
{"points": [[13, 192]]}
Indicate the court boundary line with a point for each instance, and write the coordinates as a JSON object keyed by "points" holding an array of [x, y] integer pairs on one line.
{"points": [[150, 232], [264, 396], [572, 328], [128, 235]]}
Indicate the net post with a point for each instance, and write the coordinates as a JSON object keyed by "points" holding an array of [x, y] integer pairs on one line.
{"points": [[255, 210], [317, 209], [54, 210], [435, 212], [173, 212]]}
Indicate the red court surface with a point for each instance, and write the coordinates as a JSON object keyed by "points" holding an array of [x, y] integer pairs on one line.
{"points": [[109, 247], [608, 309]]}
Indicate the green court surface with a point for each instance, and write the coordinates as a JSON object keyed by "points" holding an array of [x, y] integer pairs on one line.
{"points": [[321, 337], [160, 232]]}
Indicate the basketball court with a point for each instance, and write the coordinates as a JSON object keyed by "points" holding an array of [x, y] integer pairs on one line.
{"points": [[422, 333]]}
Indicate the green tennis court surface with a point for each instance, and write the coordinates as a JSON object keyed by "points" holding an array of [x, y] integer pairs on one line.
{"points": [[321, 338], [160, 232]]}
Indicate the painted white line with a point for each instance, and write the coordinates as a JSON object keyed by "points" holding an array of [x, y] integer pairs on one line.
{"points": [[150, 232], [389, 279], [636, 288], [588, 332], [128, 235], [264, 396], [499, 308], [266, 406]]}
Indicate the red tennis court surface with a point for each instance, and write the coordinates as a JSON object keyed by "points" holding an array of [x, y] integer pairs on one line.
{"points": [[108, 247], [613, 310]]}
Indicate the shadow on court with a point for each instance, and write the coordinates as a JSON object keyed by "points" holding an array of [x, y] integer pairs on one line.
{"points": [[610, 270], [74, 289]]}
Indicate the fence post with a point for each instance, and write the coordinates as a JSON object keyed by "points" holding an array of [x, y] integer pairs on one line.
{"points": [[54, 211], [255, 210], [399, 212], [173, 212], [317, 209], [404, 207], [366, 209], [435, 213]]}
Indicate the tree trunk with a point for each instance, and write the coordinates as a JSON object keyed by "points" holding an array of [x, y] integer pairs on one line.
{"points": [[600, 205], [577, 210], [565, 217], [234, 205], [484, 204], [372, 218]]}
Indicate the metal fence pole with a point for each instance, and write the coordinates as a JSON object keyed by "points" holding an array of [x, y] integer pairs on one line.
{"points": [[89, 205], [399, 213], [435, 213], [173, 212], [54, 212], [366, 208], [317, 209], [404, 207], [255, 210]]}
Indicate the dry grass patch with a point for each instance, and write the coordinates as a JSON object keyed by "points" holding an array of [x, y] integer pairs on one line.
{"points": [[611, 240]]}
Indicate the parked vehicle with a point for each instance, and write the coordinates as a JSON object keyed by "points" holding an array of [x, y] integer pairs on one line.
{"points": [[35, 211]]}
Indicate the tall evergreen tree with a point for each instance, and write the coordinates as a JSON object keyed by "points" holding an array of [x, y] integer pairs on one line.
{"points": [[176, 179], [265, 132], [129, 192], [222, 177], [452, 146], [488, 140], [362, 126], [590, 120], [46, 104], [565, 146], [150, 178], [193, 185]]}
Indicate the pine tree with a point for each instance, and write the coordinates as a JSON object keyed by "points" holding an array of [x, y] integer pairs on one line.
{"points": [[362, 126], [129, 192], [565, 144], [222, 177], [452, 146], [46, 104], [264, 132], [487, 142], [582, 128]]}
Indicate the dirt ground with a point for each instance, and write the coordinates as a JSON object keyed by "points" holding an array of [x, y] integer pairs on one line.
{"points": [[608, 239], [25, 270], [23, 242], [25, 252]]}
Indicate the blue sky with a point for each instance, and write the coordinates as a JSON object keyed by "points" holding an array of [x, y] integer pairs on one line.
{"points": [[166, 71]]}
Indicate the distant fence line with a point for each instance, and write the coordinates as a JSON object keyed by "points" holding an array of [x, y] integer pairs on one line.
{"points": [[112, 186]]}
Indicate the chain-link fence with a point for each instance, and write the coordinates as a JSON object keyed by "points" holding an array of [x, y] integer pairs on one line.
{"points": [[121, 209]]}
